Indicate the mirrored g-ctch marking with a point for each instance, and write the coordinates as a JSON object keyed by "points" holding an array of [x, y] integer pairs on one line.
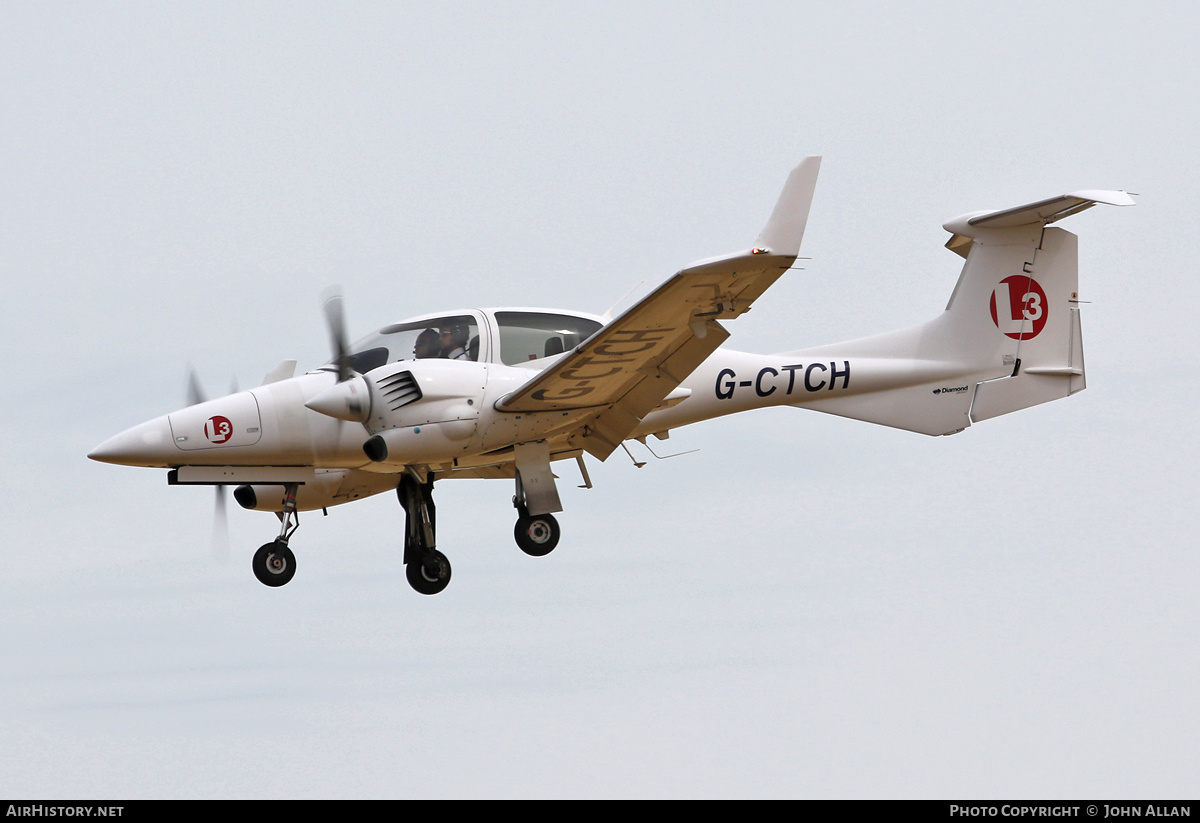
{"points": [[595, 362]]}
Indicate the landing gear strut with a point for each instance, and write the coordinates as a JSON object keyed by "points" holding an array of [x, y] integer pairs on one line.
{"points": [[274, 564], [427, 569]]}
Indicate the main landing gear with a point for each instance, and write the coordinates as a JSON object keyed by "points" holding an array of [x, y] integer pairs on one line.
{"points": [[274, 564], [536, 534], [427, 569]]}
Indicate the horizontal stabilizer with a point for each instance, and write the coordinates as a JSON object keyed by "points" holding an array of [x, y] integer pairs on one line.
{"points": [[1051, 210], [1043, 212]]}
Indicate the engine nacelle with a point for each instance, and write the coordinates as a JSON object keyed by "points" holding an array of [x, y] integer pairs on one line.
{"points": [[427, 443], [415, 392], [424, 411]]}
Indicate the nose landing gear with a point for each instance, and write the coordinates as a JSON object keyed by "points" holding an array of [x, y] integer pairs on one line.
{"points": [[274, 564]]}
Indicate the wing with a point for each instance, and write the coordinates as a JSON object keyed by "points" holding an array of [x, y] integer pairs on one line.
{"points": [[631, 365]]}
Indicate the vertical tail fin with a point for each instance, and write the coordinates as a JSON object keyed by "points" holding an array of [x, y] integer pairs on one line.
{"points": [[1036, 307], [1038, 310]]}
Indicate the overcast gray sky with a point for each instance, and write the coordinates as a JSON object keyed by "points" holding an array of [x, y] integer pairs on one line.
{"points": [[808, 606]]}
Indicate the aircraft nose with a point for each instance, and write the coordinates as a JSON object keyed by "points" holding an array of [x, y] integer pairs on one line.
{"points": [[148, 444]]}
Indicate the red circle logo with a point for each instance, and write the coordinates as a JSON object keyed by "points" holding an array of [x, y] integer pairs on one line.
{"points": [[218, 429], [1019, 307]]}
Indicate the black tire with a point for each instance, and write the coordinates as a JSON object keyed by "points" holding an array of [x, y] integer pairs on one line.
{"points": [[537, 534], [274, 564], [430, 574]]}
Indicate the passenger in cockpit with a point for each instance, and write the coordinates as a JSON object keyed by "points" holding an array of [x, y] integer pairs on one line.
{"points": [[429, 344], [454, 342]]}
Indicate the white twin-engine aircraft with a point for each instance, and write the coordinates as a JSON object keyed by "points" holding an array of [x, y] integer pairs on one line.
{"points": [[503, 393]]}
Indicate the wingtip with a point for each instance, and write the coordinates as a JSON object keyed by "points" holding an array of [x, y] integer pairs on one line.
{"points": [[784, 231]]}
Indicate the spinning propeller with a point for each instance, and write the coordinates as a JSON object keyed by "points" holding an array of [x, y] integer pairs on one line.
{"points": [[335, 319], [350, 399], [220, 533]]}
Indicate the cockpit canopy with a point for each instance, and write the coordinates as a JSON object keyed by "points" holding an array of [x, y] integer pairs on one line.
{"points": [[532, 335], [511, 337]]}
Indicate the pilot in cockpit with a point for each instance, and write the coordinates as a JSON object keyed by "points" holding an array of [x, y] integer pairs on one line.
{"points": [[429, 344], [454, 342]]}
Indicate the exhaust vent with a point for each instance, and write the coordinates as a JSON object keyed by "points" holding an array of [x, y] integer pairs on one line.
{"points": [[398, 390]]}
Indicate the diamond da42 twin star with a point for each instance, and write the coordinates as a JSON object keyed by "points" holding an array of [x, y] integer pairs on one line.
{"points": [[504, 393]]}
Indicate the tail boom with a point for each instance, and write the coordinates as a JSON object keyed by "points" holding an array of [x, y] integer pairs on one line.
{"points": [[1010, 338]]}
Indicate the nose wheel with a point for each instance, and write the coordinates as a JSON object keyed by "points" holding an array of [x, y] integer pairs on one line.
{"points": [[274, 564]]}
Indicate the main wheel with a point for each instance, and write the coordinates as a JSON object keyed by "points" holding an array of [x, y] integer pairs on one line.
{"points": [[537, 534], [274, 564], [430, 574]]}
